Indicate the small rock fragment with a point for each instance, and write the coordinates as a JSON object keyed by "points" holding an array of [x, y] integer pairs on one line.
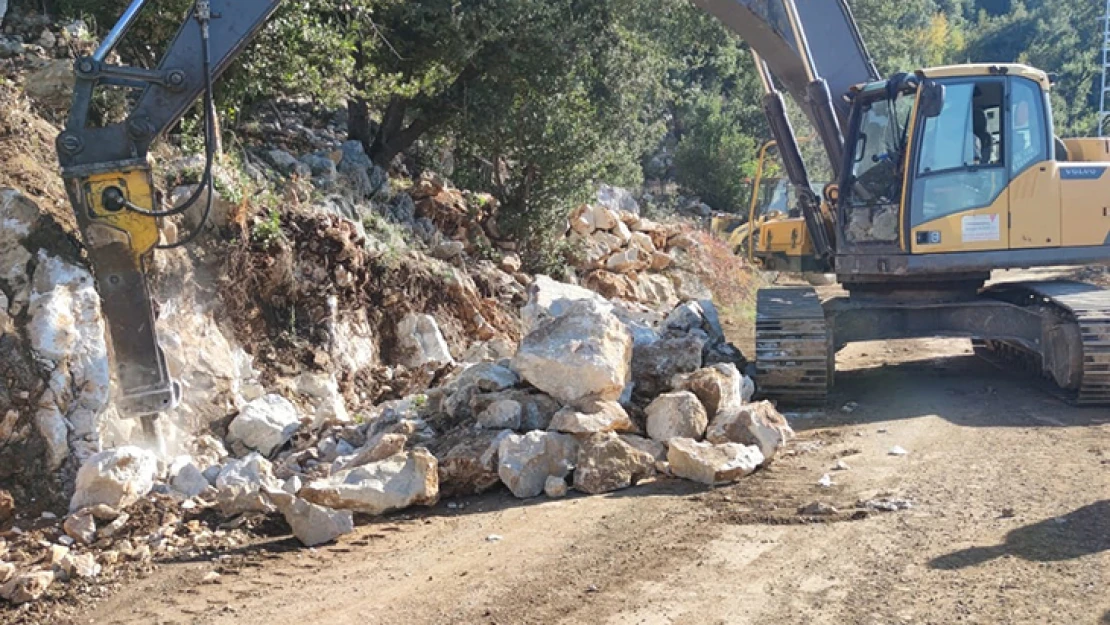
{"points": [[7, 505], [240, 482], [81, 526], [897, 451], [594, 417], [403, 480], [117, 477], [84, 565], [312, 524], [500, 415], [886, 504], [825, 481], [188, 480], [606, 463], [555, 487], [526, 461], [757, 424], [27, 587], [818, 508], [583, 353], [265, 424], [110, 529]]}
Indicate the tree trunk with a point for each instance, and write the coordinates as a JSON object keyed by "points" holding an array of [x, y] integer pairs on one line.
{"points": [[358, 109], [394, 137], [386, 145], [358, 122]]}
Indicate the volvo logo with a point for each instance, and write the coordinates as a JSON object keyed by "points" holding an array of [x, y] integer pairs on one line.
{"points": [[1081, 173]]}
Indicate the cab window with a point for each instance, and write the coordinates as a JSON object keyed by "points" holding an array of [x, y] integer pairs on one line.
{"points": [[1029, 141], [960, 162]]}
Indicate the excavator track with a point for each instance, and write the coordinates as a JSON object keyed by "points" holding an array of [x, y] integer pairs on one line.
{"points": [[1084, 305], [792, 347]]}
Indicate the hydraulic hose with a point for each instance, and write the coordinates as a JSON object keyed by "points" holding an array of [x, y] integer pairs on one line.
{"points": [[203, 15]]}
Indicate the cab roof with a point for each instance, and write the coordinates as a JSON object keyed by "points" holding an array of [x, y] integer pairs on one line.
{"points": [[976, 69], [988, 69]]}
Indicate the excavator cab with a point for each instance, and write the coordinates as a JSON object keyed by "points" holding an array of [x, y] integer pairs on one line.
{"points": [[954, 172]]}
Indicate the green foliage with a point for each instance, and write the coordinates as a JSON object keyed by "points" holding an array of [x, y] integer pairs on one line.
{"points": [[542, 99], [715, 155], [267, 232], [1057, 36], [568, 98]]}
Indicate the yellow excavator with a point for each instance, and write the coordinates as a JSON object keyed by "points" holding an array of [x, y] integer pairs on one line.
{"points": [[942, 175], [772, 200]]}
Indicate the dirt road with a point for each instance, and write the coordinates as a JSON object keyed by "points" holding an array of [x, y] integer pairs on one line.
{"points": [[1010, 524]]}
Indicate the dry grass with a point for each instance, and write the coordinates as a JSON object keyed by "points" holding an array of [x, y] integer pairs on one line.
{"points": [[733, 282]]}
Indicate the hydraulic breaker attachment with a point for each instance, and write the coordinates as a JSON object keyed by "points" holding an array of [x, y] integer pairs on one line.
{"points": [[108, 177], [120, 242]]}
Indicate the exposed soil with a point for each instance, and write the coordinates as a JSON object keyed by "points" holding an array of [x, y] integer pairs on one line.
{"points": [[28, 160], [1010, 524]]}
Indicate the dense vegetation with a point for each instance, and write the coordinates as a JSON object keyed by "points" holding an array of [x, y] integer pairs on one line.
{"points": [[540, 99]]}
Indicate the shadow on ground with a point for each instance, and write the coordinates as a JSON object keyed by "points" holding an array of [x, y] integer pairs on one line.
{"points": [[1084, 532], [963, 389]]}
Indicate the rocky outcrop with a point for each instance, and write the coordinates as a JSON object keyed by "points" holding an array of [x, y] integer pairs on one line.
{"points": [[584, 353], [420, 342], [323, 398]]}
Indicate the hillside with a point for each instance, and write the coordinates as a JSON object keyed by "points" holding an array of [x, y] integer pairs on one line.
{"points": [[458, 275]]}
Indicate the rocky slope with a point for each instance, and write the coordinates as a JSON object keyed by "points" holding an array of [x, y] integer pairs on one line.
{"points": [[350, 342]]}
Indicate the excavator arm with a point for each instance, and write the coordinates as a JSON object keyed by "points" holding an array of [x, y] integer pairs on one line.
{"points": [[108, 178], [814, 48]]}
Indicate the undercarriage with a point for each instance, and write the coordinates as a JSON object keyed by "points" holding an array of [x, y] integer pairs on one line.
{"points": [[1059, 330]]}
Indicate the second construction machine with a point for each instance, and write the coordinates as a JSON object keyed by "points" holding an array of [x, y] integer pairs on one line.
{"points": [[943, 175]]}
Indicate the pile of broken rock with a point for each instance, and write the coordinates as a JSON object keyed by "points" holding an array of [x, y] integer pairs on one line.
{"points": [[598, 397], [619, 253]]}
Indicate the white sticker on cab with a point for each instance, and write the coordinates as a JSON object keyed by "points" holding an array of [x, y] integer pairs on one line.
{"points": [[979, 228]]}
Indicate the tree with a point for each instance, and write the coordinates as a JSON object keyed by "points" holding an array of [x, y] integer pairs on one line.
{"points": [[569, 98]]}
